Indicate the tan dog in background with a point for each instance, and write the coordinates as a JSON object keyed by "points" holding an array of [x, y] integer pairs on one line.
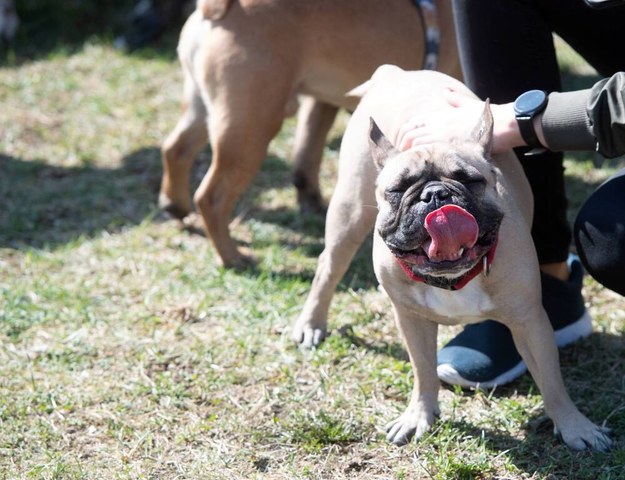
{"points": [[244, 61], [452, 244]]}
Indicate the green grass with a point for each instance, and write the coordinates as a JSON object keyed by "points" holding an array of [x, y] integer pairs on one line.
{"points": [[127, 354]]}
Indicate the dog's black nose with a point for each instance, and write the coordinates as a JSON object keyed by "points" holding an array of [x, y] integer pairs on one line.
{"points": [[434, 193]]}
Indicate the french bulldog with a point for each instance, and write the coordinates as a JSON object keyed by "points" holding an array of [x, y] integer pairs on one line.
{"points": [[245, 62], [451, 244]]}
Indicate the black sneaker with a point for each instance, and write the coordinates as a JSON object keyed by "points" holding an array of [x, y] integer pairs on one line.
{"points": [[484, 354]]}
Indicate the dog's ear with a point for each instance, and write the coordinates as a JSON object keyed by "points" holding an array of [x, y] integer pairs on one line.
{"points": [[380, 146], [483, 131]]}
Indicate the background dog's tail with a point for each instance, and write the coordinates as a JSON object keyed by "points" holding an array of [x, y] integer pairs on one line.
{"points": [[213, 9]]}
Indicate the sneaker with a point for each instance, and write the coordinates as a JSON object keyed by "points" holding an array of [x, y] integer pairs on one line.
{"points": [[484, 354]]}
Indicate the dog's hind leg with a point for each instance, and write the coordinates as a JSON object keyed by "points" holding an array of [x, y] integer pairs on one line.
{"points": [[314, 120], [239, 139], [179, 151]]}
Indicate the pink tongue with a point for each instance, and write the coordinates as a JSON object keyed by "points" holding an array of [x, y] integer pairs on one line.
{"points": [[451, 228]]}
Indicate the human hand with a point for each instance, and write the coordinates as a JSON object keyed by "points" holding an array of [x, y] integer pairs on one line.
{"points": [[457, 119]]}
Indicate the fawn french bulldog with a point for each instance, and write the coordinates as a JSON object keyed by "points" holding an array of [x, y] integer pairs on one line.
{"points": [[451, 245]]}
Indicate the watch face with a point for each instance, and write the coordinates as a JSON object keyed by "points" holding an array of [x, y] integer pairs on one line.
{"points": [[530, 102]]}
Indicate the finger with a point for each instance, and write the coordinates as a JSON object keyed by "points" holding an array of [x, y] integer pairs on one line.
{"points": [[457, 99], [407, 132], [453, 98], [407, 141], [417, 138]]}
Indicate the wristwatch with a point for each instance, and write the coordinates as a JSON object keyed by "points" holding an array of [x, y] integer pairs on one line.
{"points": [[526, 107]]}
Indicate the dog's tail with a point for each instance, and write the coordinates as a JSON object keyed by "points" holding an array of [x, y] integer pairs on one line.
{"points": [[213, 9], [360, 90]]}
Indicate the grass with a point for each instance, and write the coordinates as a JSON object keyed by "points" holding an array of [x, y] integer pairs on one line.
{"points": [[127, 354]]}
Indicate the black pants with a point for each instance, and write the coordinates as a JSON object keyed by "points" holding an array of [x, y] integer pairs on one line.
{"points": [[506, 48], [599, 232]]}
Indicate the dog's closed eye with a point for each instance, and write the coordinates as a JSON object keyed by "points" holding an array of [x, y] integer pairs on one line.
{"points": [[468, 177], [402, 185]]}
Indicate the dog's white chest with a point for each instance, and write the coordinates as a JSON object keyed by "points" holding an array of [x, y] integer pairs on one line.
{"points": [[471, 303]]}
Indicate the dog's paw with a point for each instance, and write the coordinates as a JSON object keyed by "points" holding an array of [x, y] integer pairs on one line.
{"points": [[311, 204], [308, 336], [177, 210], [240, 261], [412, 423], [584, 435]]}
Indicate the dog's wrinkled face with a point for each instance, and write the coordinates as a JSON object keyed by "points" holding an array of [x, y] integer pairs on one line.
{"points": [[438, 205]]}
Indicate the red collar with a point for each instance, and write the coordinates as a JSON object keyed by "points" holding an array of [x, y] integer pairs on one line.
{"points": [[482, 266]]}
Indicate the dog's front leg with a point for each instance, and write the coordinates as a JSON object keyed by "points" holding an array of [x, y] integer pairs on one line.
{"points": [[347, 225], [350, 218], [535, 341], [420, 337]]}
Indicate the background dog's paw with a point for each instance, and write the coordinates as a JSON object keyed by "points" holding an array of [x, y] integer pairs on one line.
{"points": [[241, 260], [410, 424], [586, 436], [177, 210], [311, 203]]}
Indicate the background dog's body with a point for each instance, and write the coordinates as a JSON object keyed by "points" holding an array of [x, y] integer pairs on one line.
{"points": [[244, 61], [511, 291]]}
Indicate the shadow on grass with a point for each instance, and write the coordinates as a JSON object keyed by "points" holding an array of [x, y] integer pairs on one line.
{"points": [[592, 371], [538, 453], [46, 206], [592, 365]]}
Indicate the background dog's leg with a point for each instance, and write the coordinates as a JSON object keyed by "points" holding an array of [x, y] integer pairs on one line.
{"points": [[420, 339], [536, 343], [179, 151], [314, 120], [239, 139]]}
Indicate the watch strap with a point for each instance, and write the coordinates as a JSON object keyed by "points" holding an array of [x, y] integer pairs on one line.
{"points": [[526, 127]]}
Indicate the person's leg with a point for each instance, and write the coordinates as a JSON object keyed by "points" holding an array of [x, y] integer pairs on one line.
{"points": [[506, 48], [599, 229], [590, 32], [599, 233]]}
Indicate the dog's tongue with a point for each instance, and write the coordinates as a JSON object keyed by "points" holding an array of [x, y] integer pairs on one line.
{"points": [[452, 229]]}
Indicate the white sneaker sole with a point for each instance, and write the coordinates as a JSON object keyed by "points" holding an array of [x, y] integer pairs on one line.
{"points": [[575, 331], [565, 336]]}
